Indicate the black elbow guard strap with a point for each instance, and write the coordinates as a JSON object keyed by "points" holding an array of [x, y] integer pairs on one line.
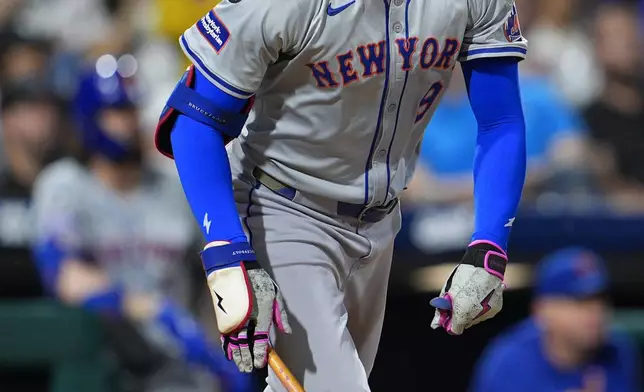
{"points": [[185, 100]]}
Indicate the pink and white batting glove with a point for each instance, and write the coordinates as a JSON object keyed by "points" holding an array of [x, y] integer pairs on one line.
{"points": [[474, 290], [247, 303]]}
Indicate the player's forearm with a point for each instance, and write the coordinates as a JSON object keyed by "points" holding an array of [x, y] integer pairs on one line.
{"points": [[204, 170], [499, 174], [198, 118], [500, 162]]}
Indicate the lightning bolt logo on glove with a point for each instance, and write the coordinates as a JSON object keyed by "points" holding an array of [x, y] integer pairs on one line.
{"points": [[253, 302], [473, 292], [219, 301]]}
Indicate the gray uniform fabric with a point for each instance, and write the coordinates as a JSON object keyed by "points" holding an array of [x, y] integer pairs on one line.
{"points": [[343, 93], [140, 240], [354, 134], [333, 272]]}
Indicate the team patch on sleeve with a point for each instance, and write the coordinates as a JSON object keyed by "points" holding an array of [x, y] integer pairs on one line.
{"points": [[214, 31], [513, 26]]}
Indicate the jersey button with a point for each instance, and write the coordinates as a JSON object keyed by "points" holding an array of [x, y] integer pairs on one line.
{"points": [[397, 27], [391, 108], [382, 153], [398, 2]]}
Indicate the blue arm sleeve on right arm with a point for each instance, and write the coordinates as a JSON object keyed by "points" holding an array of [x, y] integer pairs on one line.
{"points": [[204, 170]]}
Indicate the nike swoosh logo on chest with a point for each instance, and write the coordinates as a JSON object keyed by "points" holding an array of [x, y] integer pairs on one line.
{"points": [[334, 11]]}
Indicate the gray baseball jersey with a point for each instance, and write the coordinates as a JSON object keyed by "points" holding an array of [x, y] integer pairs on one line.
{"points": [[344, 88], [139, 239]]}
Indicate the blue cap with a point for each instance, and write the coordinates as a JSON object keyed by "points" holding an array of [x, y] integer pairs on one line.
{"points": [[571, 272], [104, 86]]}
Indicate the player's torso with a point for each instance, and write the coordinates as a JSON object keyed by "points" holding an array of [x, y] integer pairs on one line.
{"points": [[140, 239], [359, 94]]}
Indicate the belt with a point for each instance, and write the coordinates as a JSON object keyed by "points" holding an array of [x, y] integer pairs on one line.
{"points": [[359, 211]]}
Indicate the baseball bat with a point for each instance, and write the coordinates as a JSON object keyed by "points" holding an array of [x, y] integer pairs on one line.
{"points": [[283, 373]]}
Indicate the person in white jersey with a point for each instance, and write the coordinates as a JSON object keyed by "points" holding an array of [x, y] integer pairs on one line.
{"points": [[322, 105], [111, 235]]}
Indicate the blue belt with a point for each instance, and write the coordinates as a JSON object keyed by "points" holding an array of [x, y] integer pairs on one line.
{"points": [[359, 211]]}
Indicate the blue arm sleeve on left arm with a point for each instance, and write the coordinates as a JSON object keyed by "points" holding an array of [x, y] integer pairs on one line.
{"points": [[202, 163], [500, 160]]}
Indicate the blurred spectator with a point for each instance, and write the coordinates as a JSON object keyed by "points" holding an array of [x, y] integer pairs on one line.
{"points": [[565, 345], [32, 123], [112, 236], [616, 118], [24, 60], [77, 25], [559, 47], [8, 9], [554, 139]]}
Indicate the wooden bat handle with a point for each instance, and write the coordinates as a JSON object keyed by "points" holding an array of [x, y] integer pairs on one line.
{"points": [[286, 377]]}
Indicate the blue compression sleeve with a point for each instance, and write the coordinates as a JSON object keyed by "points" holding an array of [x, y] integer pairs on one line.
{"points": [[204, 170], [500, 160]]}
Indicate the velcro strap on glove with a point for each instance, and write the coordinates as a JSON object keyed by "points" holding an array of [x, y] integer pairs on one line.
{"points": [[226, 256], [229, 284], [486, 255]]}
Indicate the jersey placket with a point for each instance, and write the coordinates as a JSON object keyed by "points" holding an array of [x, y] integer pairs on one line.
{"points": [[380, 170]]}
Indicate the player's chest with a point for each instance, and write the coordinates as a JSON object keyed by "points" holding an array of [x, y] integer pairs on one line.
{"points": [[360, 39]]}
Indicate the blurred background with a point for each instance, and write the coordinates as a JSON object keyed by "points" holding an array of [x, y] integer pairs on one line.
{"points": [[583, 96]]}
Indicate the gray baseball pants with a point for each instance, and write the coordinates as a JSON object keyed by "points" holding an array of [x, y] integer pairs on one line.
{"points": [[333, 272]]}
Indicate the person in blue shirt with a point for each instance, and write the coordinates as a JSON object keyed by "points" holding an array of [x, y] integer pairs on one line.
{"points": [[565, 345]]}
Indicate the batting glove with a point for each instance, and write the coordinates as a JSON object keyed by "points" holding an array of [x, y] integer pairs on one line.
{"points": [[247, 302], [474, 291]]}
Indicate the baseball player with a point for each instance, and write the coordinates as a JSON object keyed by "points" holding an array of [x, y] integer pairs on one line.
{"points": [[324, 103], [110, 235]]}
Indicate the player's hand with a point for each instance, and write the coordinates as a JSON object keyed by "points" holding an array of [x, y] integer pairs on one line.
{"points": [[246, 301], [474, 291], [249, 346]]}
